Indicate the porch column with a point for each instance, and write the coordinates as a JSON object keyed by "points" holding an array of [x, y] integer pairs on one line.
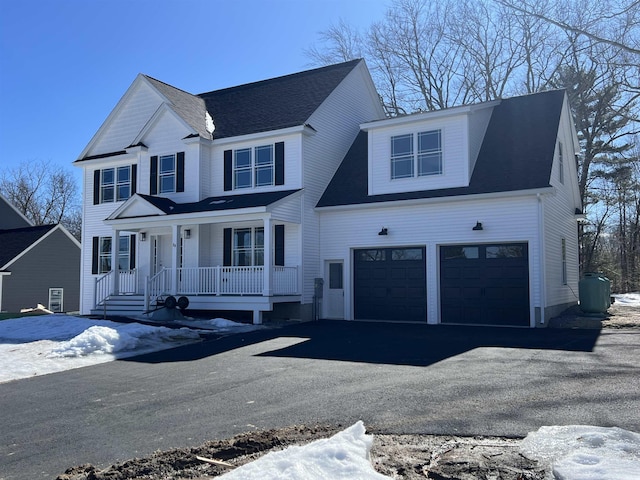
{"points": [[267, 288], [175, 257], [115, 262]]}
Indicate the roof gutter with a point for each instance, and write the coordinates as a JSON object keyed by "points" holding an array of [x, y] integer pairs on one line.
{"points": [[434, 200]]}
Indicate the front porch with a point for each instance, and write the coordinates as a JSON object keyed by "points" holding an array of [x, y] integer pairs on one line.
{"points": [[251, 288]]}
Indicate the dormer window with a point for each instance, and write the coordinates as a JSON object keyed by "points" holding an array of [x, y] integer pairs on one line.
{"points": [[426, 161]]}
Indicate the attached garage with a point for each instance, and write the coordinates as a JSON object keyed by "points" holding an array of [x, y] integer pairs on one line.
{"points": [[390, 284], [485, 284]]}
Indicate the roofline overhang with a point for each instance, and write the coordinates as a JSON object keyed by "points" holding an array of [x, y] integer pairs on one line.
{"points": [[435, 200], [423, 116], [197, 218], [305, 129]]}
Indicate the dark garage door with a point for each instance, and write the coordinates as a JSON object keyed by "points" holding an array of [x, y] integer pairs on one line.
{"points": [[485, 284], [390, 284]]}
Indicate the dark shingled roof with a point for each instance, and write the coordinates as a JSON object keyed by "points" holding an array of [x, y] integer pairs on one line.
{"points": [[516, 154], [16, 240], [214, 204], [273, 104]]}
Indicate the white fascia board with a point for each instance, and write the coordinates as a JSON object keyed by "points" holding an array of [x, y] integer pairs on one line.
{"points": [[451, 199], [308, 129], [116, 110], [423, 116], [131, 201], [196, 218], [163, 108], [40, 240]]}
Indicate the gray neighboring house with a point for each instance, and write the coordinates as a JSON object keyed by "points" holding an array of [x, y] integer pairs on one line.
{"points": [[38, 264]]}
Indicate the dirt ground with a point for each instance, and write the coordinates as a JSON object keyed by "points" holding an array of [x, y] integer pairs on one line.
{"points": [[407, 457]]}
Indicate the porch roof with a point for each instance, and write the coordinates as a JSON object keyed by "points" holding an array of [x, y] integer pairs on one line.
{"points": [[141, 207]]}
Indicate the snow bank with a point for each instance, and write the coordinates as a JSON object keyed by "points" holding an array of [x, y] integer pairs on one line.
{"points": [[628, 299], [579, 452], [343, 456]]}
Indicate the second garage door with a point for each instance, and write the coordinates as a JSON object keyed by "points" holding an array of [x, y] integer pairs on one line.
{"points": [[390, 284], [485, 284]]}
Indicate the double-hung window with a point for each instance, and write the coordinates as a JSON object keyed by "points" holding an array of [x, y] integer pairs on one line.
{"points": [[560, 162], [102, 253], [253, 167], [113, 184], [416, 154], [248, 246], [167, 174]]}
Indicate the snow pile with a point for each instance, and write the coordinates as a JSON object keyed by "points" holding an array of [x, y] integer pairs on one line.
{"points": [[579, 452], [39, 345], [345, 455], [220, 325], [628, 299]]}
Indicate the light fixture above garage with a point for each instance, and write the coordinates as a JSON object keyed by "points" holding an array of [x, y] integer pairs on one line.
{"points": [[478, 226], [384, 231]]}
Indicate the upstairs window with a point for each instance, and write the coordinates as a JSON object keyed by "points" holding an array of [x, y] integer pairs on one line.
{"points": [[167, 173], [114, 184], [253, 167], [427, 159], [260, 166]]}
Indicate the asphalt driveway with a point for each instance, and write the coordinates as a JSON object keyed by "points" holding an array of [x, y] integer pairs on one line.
{"points": [[397, 378]]}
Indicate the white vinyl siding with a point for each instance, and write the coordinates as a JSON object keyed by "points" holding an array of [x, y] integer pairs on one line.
{"points": [[506, 220], [421, 155]]}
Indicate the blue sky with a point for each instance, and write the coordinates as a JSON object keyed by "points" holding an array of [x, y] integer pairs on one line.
{"points": [[64, 64]]}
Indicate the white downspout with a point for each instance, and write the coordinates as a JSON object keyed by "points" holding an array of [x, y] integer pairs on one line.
{"points": [[543, 263]]}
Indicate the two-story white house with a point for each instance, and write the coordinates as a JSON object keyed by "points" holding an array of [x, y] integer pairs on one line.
{"points": [[296, 197]]}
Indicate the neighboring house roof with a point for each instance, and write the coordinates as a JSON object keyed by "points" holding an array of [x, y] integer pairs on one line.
{"points": [[16, 240], [10, 216], [213, 204], [516, 154]]}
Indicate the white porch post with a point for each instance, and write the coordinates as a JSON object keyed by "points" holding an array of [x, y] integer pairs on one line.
{"points": [[267, 289], [175, 257], [115, 250]]}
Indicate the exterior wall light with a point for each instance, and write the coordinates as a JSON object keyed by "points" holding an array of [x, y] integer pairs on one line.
{"points": [[187, 233], [143, 236], [478, 226], [384, 231]]}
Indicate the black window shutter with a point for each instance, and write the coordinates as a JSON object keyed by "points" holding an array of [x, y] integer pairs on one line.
{"points": [[228, 236], [228, 170], [153, 180], [180, 172], [134, 178], [94, 255], [279, 163], [96, 187], [279, 246], [132, 252]]}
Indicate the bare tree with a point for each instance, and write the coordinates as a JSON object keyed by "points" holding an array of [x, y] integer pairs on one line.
{"points": [[44, 194]]}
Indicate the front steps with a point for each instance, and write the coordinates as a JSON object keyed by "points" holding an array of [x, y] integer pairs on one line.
{"points": [[120, 305]]}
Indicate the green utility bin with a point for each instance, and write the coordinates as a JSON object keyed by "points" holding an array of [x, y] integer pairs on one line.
{"points": [[595, 293]]}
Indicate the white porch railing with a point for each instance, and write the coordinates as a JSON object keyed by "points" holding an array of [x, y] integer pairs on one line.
{"points": [[127, 283], [235, 281]]}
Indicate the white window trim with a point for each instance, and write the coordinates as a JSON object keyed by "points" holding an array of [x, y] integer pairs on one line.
{"points": [[252, 249], [415, 154], [170, 173], [254, 167], [115, 184]]}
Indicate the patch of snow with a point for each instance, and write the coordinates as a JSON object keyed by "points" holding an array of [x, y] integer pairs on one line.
{"points": [[580, 452], [39, 345], [628, 299], [343, 456]]}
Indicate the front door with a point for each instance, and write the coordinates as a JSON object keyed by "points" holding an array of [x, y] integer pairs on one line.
{"points": [[160, 252], [334, 301]]}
